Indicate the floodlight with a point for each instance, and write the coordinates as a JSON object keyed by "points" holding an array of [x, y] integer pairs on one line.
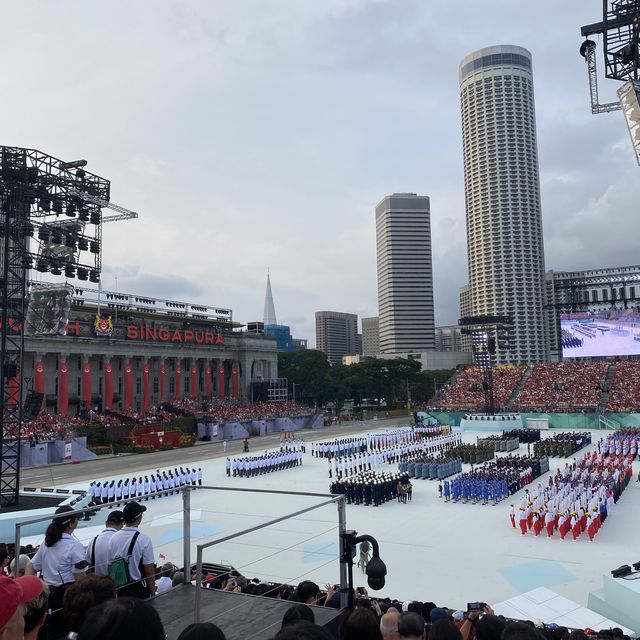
{"points": [[74, 164]]}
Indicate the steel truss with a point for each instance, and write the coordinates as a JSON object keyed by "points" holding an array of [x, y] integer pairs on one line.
{"points": [[36, 190]]}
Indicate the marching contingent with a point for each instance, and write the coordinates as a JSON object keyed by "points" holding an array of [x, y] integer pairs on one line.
{"points": [[577, 499], [283, 458], [140, 487]]}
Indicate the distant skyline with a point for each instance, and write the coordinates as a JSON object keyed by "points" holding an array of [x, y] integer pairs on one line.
{"points": [[255, 136]]}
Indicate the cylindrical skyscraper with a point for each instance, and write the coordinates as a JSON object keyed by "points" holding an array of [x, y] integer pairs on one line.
{"points": [[502, 194]]}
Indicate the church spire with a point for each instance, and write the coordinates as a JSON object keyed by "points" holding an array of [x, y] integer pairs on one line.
{"points": [[269, 313]]}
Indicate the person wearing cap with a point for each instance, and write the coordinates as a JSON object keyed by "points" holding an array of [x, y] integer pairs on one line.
{"points": [[98, 548], [60, 561], [14, 592], [141, 561]]}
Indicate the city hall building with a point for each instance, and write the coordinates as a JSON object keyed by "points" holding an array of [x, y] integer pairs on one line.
{"points": [[129, 352]]}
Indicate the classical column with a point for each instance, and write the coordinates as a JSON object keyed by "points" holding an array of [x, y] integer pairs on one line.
{"points": [[177, 377], [221, 382], [194, 379], [207, 379], [86, 383], [107, 370], [146, 403], [38, 375], [235, 382], [161, 375], [128, 385], [63, 385]]}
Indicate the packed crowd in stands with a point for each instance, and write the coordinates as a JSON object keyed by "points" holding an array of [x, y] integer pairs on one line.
{"points": [[466, 390], [557, 386], [94, 608], [48, 426], [624, 394]]}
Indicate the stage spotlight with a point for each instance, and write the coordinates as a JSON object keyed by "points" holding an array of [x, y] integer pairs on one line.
{"points": [[56, 236], [74, 164], [71, 210], [42, 266], [43, 234], [69, 272], [94, 276], [94, 246], [70, 242], [95, 217], [83, 244], [27, 262], [83, 214], [28, 230], [56, 206], [55, 271], [82, 274]]}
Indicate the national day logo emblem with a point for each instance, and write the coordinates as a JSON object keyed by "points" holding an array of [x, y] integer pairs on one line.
{"points": [[103, 326]]}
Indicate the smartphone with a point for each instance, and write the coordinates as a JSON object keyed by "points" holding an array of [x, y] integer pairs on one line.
{"points": [[473, 606]]}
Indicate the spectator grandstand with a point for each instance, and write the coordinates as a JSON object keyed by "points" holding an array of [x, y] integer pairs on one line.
{"points": [[465, 391]]}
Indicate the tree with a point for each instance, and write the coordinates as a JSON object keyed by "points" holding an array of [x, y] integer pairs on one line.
{"points": [[308, 368]]}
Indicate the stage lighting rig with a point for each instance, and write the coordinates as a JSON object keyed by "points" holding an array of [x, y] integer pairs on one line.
{"points": [[620, 31], [36, 191]]}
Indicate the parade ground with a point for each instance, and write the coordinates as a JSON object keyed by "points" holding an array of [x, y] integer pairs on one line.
{"points": [[447, 553]]}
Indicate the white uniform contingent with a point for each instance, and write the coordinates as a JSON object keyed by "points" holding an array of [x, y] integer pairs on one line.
{"points": [[269, 462], [171, 481]]}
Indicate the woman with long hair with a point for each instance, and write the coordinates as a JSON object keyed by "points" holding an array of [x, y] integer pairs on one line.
{"points": [[60, 561]]}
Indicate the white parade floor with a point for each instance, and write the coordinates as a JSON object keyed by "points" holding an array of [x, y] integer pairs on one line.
{"points": [[450, 554]]}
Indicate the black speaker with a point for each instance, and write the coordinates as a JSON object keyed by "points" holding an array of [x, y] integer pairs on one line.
{"points": [[623, 570], [10, 370], [32, 405]]}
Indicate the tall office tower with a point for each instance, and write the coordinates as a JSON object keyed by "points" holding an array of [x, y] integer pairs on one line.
{"points": [[502, 193], [405, 276], [370, 337], [336, 334]]}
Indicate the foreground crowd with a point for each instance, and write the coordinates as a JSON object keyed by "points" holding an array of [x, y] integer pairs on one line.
{"points": [[93, 608]]}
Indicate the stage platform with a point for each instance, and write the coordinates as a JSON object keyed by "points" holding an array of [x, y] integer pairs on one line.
{"points": [[240, 616], [619, 599], [497, 422], [545, 604]]}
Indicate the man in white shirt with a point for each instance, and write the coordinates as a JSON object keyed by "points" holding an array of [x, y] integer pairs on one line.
{"points": [[98, 549], [141, 560]]}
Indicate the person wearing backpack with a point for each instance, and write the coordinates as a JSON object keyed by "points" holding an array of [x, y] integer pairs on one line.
{"points": [[131, 556], [98, 549]]}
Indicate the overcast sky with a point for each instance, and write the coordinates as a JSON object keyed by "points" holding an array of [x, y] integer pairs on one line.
{"points": [[260, 134]]}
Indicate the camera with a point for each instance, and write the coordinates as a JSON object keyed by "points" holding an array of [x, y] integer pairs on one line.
{"points": [[474, 606]]}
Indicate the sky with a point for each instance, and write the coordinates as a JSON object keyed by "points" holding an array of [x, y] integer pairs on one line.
{"points": [[259, 135]]}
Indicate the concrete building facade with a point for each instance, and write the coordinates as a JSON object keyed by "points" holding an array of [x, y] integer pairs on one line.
{"points": [[502, 195], [336, 334], [405, 274], [370, 337]]}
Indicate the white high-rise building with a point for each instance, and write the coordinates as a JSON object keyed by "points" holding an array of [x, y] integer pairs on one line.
{"points": [[502, 193], [405, 276]]}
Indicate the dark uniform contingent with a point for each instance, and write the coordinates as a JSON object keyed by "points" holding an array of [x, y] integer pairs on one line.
{"points": [[562, 445], [170, 481], [371, 488]]}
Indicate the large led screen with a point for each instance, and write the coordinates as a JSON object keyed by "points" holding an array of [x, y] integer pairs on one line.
{"points": [[600, 333]]}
